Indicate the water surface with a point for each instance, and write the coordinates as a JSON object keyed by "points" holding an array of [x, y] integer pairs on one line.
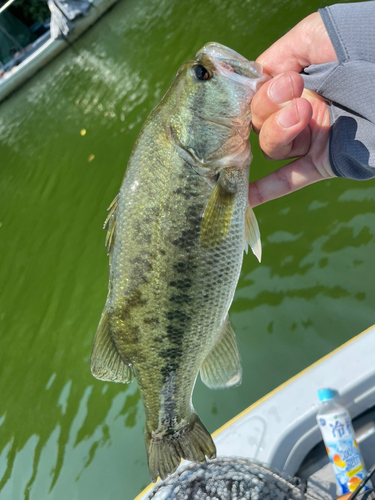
{"points": [[64, 434]]}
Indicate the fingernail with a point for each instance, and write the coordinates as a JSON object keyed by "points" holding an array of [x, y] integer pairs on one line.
{"points": [[281, 89], [288, 116]]}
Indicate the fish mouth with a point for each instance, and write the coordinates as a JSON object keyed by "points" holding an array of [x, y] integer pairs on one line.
{"points": [[230, 64]]}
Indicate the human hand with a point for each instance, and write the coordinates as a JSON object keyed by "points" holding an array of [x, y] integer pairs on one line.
{"points": [[292, 122]]}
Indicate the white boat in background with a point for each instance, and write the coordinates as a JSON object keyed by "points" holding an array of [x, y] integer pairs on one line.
{"points": [[46, 48], [280, 430]]}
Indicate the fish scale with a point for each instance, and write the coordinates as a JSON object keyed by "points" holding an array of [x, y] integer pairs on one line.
{"points": [[176, 235]]}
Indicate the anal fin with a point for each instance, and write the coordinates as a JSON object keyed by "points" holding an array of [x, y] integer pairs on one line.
{"points": [[106, 362], [252, 234], [222, 366]]}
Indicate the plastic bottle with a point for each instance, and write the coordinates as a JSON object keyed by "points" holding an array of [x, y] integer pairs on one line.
{"points": [[339, 438]]}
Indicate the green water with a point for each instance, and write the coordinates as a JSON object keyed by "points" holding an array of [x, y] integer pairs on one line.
{"points": [[64, 434]]}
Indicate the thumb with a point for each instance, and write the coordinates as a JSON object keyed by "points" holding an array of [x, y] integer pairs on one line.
{"points": [[307, 43]]}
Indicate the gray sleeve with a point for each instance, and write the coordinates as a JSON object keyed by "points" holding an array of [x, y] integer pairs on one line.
{"points": [[348, 86]]}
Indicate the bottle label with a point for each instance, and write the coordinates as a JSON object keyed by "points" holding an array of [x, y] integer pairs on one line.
{"points": [[342, 450]]}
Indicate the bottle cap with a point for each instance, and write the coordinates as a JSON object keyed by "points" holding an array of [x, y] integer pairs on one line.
{"points": [[326, 394]]}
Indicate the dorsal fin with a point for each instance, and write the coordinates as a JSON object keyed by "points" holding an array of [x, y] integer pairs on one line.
{"points": [[111, 222], [106, 362]]}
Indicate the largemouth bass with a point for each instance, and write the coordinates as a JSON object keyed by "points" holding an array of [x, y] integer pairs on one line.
{"points": [[176, 235]]}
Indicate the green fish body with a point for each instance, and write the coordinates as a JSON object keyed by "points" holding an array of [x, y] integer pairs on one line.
{"points": [[176, 235]]}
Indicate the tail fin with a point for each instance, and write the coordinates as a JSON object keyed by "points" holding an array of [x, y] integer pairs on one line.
{"points": [[193, 443]]}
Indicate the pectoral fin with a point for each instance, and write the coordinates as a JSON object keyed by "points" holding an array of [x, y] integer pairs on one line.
{"points": [[106, 362], [252, 234], [222, 366], [218, 214]]}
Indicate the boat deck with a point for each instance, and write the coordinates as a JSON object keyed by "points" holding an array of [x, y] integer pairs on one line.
{"points": [[281, 431]]}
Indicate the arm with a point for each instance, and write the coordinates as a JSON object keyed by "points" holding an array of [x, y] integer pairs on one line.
{"points": [[348, 87], [293, 122]]}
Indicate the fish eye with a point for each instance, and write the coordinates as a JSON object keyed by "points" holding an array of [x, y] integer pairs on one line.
{"points": [[201, 73]]}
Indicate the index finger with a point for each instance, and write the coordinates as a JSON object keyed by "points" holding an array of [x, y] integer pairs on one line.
{"points": [[274, 95]]}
